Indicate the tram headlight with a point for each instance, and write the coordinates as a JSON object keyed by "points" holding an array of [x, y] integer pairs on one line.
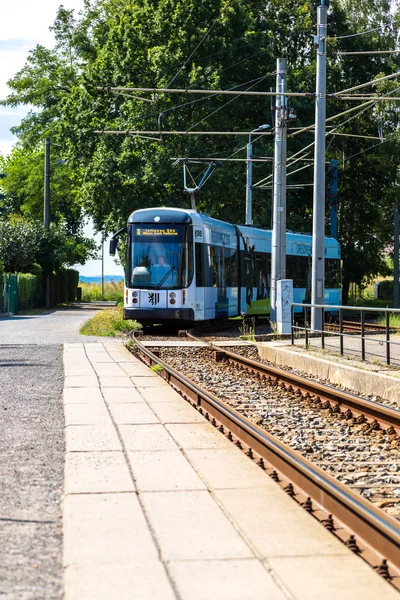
{"points": [[135, 294], [172, 295]]}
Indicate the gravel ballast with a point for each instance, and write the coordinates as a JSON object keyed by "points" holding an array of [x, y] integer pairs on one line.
{"points": [[367, 460]]}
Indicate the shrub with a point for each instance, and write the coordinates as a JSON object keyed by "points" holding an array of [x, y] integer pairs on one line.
{"points": [[109, 322], [30, 291]]}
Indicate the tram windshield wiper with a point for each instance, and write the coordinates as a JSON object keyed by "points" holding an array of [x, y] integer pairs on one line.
{"points": [[171, 270]]}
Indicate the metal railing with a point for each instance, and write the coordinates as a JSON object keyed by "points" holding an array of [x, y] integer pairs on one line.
{"points": [[328, 329]]}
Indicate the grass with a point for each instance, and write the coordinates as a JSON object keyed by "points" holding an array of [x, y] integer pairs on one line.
{"points": [[394, 320], [108, 323], [91, 292]]}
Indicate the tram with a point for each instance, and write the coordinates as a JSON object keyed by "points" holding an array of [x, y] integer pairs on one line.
{"points": [[186, 266]]}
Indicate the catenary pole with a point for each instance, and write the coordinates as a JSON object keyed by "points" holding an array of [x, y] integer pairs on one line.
{"points": [[249, 183], [318, 250], [278, 250], [46, 212], [396, 258]]}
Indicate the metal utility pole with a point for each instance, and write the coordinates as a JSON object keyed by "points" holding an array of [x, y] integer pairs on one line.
{"points": [[318, 247], [278, 250], [249, 175], [102, 267], [249, 183], [396, 258], [46, 207], [46, 212]]}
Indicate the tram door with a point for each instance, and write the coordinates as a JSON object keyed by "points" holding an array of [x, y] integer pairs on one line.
{"points": [[200, 275]]}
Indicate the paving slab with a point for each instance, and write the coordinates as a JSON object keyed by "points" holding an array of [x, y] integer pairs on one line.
{"points": [[131, 581], [116, 394], [108, 381], [246, 579], [80, 382], [229, 468], [163, 471], [91, 438], [132, 413], [197, 435], [82, 368], [176, 412], [90, 395], [155, 394], [97, 473], [191, 526], [87, 414], [137, 369], [149, 382], [146, 437], [106, 528], [356, 579], [110, 369], [277, 525]]}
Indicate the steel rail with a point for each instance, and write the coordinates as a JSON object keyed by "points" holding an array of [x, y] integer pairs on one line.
{"points": [[377, 530], [374, 411]]}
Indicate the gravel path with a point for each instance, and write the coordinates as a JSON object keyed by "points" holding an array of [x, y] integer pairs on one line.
{"points": [[31, 465], [32, 450], [52, 327]]}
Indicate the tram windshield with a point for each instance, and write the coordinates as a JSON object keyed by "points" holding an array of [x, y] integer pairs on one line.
{"points": [[160, 257]]}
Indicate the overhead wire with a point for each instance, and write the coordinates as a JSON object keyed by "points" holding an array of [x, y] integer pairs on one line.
{"points": [[351, 35], [225, 105], [366, 107]]}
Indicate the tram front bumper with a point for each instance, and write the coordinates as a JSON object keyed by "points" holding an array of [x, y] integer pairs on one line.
{"points": [[159, 314]]}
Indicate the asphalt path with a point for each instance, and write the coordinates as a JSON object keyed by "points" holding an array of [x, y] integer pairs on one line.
{"points": [[32, 451], [50, 327]]}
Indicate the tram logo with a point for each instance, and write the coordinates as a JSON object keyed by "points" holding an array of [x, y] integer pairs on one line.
{"points": [[154, 298], [217, 237]]}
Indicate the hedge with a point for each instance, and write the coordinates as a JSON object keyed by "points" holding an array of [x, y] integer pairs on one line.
{"points": [[30, 291]]}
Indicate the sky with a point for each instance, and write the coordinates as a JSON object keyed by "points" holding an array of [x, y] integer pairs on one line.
{"points": [[24, 24]]}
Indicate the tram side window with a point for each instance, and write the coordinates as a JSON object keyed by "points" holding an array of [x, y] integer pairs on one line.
{"points": [[230, 262], [261, 272], [332, 273], [298, 269], [200, 271]]}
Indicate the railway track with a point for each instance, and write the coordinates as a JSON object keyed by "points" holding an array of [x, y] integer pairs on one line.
{"points": [[365, 528], [358, 327]]}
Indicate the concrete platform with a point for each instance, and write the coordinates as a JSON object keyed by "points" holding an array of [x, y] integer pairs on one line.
{"points": [[363, 377], [160, 506]]}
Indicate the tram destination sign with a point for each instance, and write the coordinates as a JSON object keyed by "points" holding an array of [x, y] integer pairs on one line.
{"points": [[152, 232]]}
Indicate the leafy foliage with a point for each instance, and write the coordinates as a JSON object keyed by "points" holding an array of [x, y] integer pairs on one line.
{"points": [[214, 44], [19, 244]]}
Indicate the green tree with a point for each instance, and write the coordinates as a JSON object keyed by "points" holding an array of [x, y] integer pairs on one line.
{"points": [[214, 44], [19, 243]]}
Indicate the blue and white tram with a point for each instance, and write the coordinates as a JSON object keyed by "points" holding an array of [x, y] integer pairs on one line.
{"points": [[185, 266]]}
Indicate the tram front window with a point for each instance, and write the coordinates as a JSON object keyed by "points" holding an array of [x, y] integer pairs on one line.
{"points": [[158, 257]]}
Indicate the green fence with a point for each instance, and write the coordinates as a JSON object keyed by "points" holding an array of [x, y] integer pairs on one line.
{"points": [[25, 291], [9, 294]]}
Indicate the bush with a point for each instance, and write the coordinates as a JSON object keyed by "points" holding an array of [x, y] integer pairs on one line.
{"points": [[30, 291], [109, 322], [63, 286]]}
